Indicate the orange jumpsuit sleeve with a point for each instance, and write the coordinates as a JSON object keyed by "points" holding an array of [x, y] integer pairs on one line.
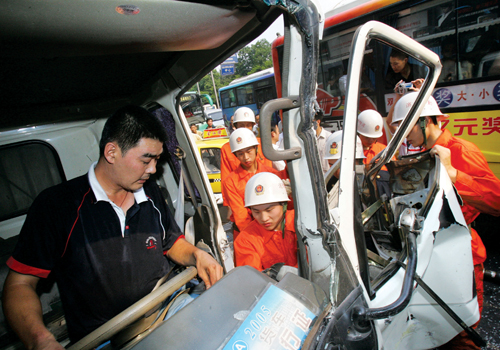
{"points": [[225, 161], [226, 166], [236, 202], [246, 251], [261, 158], [476, 183]]}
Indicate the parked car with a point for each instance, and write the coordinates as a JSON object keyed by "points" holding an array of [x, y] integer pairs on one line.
{"points": [[67, 66], [216, 115]]}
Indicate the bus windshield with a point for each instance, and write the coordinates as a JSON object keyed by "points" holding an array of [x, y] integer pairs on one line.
{"points": [[464, 33], [251, 91]]}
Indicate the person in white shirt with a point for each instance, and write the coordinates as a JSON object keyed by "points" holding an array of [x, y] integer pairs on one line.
{"points": [[321, 136], [275, 137]]}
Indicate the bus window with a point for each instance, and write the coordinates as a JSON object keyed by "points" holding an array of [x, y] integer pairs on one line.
{"points": [[245, 95], [468, 45], [265, 90], [228, 98], [252, 91]]}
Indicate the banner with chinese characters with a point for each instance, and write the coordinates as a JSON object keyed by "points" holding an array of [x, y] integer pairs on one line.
{"points": [[467, 95], [214, 133], [277, 322]]}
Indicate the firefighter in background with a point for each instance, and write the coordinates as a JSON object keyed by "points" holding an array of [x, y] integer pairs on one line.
{"points": [[270, 238], [244, 117], [370, 126], [333, 150], [469, 172], [405, 149], [245, 148]]}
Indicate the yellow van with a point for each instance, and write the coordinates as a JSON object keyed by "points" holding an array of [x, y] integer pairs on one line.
{"points": [[210, 154]]}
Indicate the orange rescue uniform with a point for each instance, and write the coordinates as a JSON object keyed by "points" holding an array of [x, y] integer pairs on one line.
{"points": [[371, 152], [260, 248], [476, 184], [233, 188], [229, 163], [480, 192]]}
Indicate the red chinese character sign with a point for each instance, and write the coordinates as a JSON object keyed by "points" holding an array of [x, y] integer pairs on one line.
{"points": [[214, 133]]}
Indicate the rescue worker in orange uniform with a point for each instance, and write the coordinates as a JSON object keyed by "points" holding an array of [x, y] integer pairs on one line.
{"points": [[270, 238], [244, 117], [245, 148], [370, 126], [469, 172]]}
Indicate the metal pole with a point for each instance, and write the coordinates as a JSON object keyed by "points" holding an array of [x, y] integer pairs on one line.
{"points": [[215, 89], [198, 85]]}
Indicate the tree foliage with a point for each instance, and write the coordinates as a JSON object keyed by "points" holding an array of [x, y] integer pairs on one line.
{"points": [[254, 58], [251, 59]]}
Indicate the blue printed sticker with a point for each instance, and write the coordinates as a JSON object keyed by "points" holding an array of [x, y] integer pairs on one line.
{"points": [[278, 321]]}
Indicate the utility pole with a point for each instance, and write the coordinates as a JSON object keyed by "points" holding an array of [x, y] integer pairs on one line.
{"points": [[215, 89], [198, 85]]}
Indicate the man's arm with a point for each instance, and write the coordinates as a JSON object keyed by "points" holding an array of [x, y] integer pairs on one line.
{"points": [[241, 215], [186, 254], [23, 311], [475, 182]]}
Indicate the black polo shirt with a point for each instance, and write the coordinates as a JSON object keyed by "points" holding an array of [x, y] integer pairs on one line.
{"points": [[79, 240]]}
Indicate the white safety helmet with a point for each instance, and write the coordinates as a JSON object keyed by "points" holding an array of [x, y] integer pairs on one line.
{"points": [[333, 146], [244, 114], [241, 139], [370, 124], [406, 102], [264, 188]]}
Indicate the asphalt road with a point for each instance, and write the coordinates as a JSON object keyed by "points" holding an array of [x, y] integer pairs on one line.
{"points": [[489, 327]]}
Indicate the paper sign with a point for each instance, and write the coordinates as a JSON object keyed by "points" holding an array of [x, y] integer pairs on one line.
{"points": [[277, 322]]}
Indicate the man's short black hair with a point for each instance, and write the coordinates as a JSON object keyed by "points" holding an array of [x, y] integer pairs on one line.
{"points": [[209, 119], [319, 115], [398, 54], [128, 125]]}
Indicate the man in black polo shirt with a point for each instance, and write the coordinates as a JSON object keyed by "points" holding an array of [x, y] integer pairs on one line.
{"points": [[103, 236]]}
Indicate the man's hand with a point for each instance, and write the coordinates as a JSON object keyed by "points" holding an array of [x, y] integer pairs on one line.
{"points": [[444, 155], [186, 254], [417, 84], [208, 269]]}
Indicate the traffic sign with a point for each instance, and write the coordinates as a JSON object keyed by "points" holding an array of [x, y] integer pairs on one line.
{"points": [[226, 69], [232, 59]]}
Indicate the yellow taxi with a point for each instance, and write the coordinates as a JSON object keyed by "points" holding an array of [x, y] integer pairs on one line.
{"points": [[209, 148]]}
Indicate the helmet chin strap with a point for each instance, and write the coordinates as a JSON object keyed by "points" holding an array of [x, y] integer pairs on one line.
{"points": [[284, 220], [422, 127]]}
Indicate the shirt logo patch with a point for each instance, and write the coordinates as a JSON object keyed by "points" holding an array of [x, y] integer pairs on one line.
{"points": [[151, 243], [333, 148], [259, 189], [238, 140]]}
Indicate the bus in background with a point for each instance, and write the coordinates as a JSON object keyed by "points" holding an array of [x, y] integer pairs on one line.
{"points": [[251, 91], [464, 33], [193, 107]]}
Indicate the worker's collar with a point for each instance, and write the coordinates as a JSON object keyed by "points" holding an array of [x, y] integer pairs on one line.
{"points": [[268, 235], [242, 173], [100, 194]]}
